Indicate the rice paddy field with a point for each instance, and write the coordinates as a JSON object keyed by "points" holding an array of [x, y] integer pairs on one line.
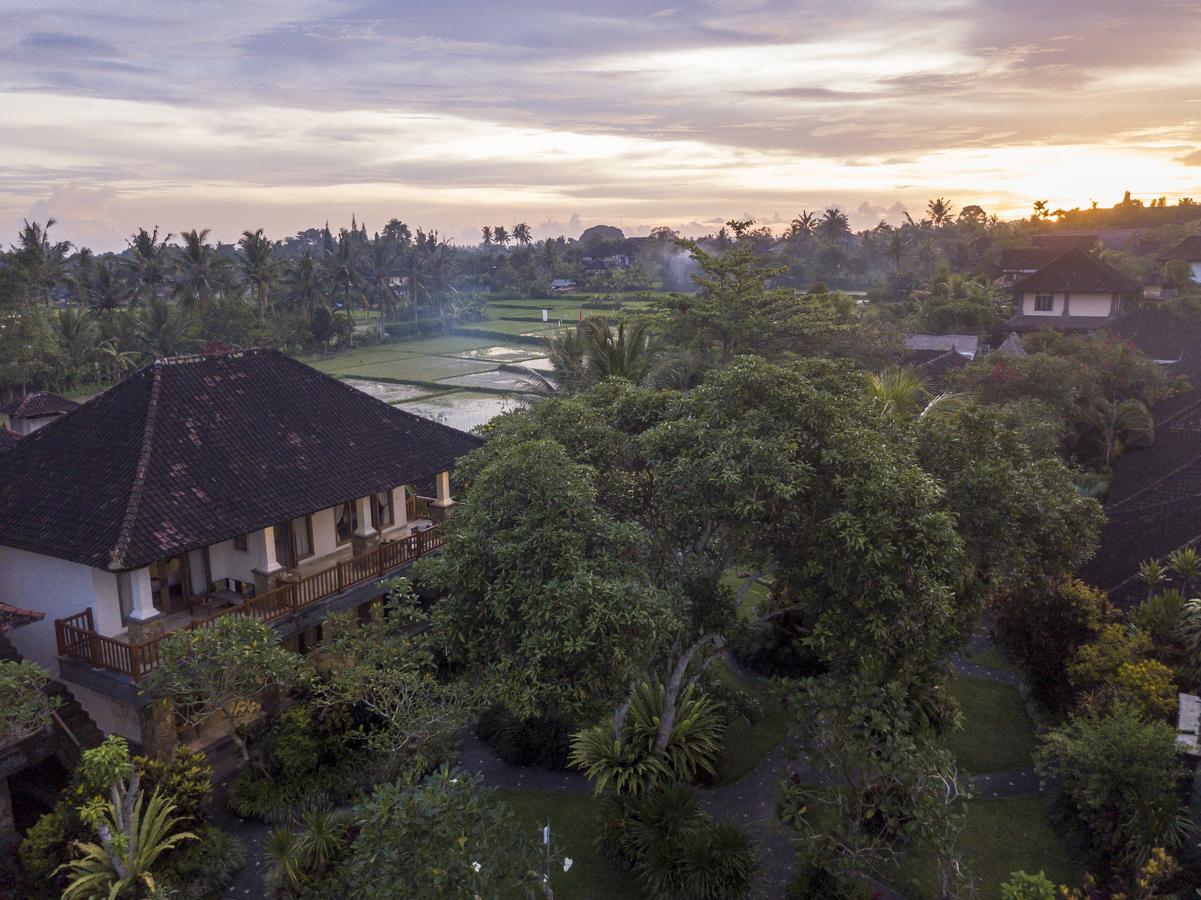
{"points": [[456, 379]]}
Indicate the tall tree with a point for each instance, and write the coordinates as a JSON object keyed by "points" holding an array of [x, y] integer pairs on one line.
{"points": [[342, 269], [41, 263], [259, 266], [304, 285], [149, 262], [200, 273], [521, 234], [834, 225], [486, 233], [500, 236], [382, 259]]}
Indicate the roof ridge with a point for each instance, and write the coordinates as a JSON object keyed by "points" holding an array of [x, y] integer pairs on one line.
{"points": [[137, 489], [1158, 481]]}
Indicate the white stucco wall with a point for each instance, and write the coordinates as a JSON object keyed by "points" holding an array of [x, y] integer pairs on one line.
{"points": [[1079, 305], [59, 589], [110, 715], [1196, 267]]}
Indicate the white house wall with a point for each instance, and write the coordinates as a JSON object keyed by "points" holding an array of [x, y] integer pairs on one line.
{"points": [[110, 714], [59, 589], [1083, 304], [1196, 269]]}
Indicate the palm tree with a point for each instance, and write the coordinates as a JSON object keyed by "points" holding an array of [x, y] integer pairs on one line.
{"points": [[304, 285], [1185, 562], [486, 232], [259, 266], [41, 263], [521, 234], [1152, 574], [342, 269], [1120, 421], [381, 266], [834, 225], [149, 262], [1041, 210], [500, 236], [902, 393], [895, 247], [199, 276], [164, 330], [107, 290], [78, 339], [939, 211], [802, 226], [595, 350]]}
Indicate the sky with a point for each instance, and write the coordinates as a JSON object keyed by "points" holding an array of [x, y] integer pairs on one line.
{"points": [[452, 114]]}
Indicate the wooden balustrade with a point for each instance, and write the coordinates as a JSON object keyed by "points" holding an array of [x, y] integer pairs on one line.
{"points": [[78, 639]]}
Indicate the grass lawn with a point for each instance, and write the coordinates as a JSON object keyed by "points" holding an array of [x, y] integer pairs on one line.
{"points": [[992, 658], [755, 595], [573, 821], [997, 734], [509, 327], [747, 743], [999, 837]]}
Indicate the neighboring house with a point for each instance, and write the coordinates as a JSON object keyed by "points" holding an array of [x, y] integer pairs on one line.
{"points": [[1189, 251], [935, 368], [1076, 291], [1018, 262], [29, 413], [1011, 346], [615, 261], [562, 286], [967, 345], [242, 483]]}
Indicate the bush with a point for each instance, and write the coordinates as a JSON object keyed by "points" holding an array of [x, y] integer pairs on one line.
{"points": [[1042, 628], [414, 328], [1024, 886], [1148, 686], [1096, 665], [543, 742], [206, 866], [265, 799], [45, 846], [1118, 775], [187, 778], [776, 648], [677, 849]]}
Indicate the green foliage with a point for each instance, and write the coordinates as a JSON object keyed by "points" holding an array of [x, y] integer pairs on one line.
{"points": [[541, 605], [676, 849], [44, 846], [1026, 886], [442, 836], [543, 742], [24, 705], [1042, 626], [221, 670], [131, 841], [1097, 664], [303, 861], [1162, 619], [205, 867], [1118, 774], [630, 761], [187, 778], [1147, 685]]}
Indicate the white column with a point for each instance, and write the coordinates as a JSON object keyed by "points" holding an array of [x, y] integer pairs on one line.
{"points": [[443, 490], [363, 515], [270, 564], [141, 597]]}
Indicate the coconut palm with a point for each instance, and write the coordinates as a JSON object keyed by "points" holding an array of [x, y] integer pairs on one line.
{"points": [[382, 259], [596, 349], [200, 273], [304, 286], [164, 330], [1116, 423], [149, 263], [939, 211], [78, 339], [902, 393], [40, 263], [486, 233], [500, 236], [259, 266], [521, 234], [107, 291], [834, 225], [342, 270], [133, 835], [802, 226]]}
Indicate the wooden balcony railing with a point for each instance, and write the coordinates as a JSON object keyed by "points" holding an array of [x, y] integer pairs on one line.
{"points": [[78, 639]]}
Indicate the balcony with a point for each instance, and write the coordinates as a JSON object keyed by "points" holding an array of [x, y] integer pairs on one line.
{"points": [[78, 639]]}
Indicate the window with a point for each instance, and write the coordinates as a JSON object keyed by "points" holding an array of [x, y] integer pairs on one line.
{"points": [[344, 523], [240, 543], [302, 537], [1044, 302], [283, 547], [381, 511]]}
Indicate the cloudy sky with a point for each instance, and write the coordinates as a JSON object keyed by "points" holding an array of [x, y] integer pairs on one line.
{"points": [[452, 114]]}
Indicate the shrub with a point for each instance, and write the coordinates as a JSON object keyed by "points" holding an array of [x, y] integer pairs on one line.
{"points": [[776, 648], [1096, 665], [1024, 886], [44, 846], [1119, 775], [414, 328], [1042, 627], [206, 866], [187, 778], [1161, 619], [1148, 686], [544, 741]]}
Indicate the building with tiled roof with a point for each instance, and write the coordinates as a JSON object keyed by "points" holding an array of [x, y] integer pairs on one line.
{"points": [[30, 412], [1189, 251], [242, 482], [1075, 291]]}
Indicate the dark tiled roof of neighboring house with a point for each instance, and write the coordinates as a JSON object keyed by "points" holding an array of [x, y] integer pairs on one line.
{"points": [[1022, 323], [1062, 242], [192, 451], [1023, 259], [13, 617], [1163, 336], [1011, 346], [1188, 250], [963, 343], [39, 403], [936, 368], [8, 439], [1077, 271]]}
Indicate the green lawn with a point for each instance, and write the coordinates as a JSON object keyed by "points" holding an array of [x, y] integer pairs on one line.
{"points": [[508, 327], [745, 742], [755, 595], [999, 837], [992, 658], [997, 734], [573, 820]]}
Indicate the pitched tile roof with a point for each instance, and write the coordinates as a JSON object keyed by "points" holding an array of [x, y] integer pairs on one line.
{"points": [[1189, 250], [1022, 323], [1078, 271], [1011, 346], [39, 403], [935, 369], [961, 343], [188, 452], [14, 617], [1163, 335], [8, 439]]}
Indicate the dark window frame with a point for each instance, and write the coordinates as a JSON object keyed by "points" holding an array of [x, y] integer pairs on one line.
{"points": [[1040, 299], [389, 505], [352, 518]]}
